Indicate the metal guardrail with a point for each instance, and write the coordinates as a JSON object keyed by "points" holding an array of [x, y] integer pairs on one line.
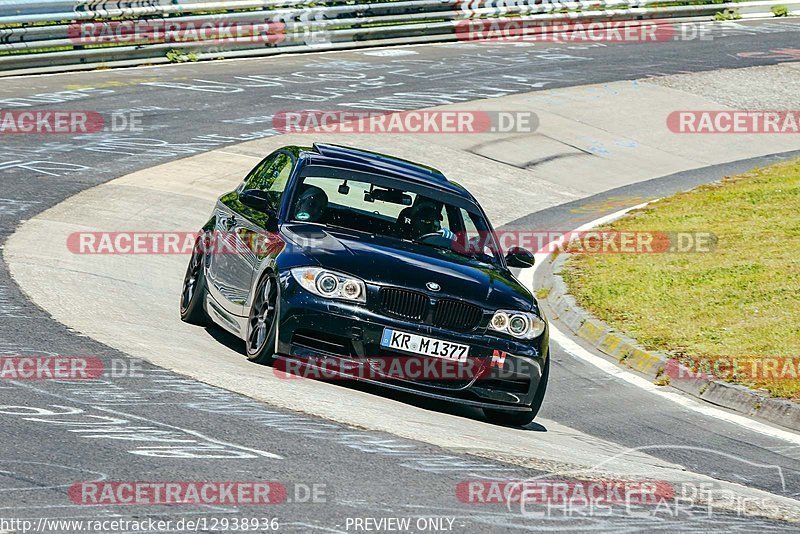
{"points": [[63, 33]]}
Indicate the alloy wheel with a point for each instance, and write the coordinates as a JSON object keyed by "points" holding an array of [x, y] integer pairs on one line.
{"points": [[262, 315]]}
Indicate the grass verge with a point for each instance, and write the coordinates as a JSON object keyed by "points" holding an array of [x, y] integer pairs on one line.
{"points": [[739, 303]]}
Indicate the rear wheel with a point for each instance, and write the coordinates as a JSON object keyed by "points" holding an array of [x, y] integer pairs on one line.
{"points": [[262, 322], [193, 294], [501, 417]]}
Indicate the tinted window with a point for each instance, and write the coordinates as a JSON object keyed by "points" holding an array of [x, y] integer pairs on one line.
{"points": [[271, 175], [395, 213]]}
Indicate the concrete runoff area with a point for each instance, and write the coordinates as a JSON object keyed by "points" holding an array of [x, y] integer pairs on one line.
{"points": [[590, 139]]}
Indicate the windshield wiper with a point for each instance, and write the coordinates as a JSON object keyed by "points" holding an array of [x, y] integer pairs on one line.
{"points": [[477, 256]]}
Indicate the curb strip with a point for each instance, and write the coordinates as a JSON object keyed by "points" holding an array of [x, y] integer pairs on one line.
{"points": [[628, 352]]}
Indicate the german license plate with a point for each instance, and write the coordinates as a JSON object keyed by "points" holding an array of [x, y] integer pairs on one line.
{"points": [[427, 346]]}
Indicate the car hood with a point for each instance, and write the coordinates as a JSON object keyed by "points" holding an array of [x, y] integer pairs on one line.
{"points": [[392, 262]]}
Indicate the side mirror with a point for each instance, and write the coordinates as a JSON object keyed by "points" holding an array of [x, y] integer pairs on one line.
{"points": [[257, 200], [520, 258]]}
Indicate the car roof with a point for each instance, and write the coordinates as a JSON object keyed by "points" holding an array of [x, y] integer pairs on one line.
{"points": [[376, 163]]}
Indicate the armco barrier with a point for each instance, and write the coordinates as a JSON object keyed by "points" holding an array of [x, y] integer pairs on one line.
{"points": [[63, 34]]}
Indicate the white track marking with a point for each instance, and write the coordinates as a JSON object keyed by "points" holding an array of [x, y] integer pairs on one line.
{"points": [[687, 402], [193, 433], [571, 347], [542, 256]]}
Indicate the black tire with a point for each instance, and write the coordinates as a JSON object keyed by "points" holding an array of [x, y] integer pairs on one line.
{"points": [[505, 418], [193, 294], [262, 322]]}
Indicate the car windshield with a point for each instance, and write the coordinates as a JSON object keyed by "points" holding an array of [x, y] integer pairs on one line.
{"points": [[407, 214]]}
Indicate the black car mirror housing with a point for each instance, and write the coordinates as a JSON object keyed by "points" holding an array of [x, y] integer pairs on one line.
{"points": [[257, 200], [520, 258]]}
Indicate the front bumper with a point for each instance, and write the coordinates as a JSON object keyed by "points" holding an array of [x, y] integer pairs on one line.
{"points": [[311, 327]]}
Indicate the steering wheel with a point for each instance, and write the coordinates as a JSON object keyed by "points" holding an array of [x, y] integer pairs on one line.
{"points": [[431, 235]]}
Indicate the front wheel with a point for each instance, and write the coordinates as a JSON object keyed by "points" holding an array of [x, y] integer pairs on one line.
{"points": [[501, 417], [262, 321], [194, 288]]}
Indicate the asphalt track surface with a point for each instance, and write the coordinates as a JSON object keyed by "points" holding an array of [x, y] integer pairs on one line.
{"points": [[225, 436]]}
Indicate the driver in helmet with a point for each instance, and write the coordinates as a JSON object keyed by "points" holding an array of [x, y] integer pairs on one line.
{"points": [[423, 218]]}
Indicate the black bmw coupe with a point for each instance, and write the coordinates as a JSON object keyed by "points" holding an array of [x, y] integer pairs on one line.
{"points": [[333, 254]]}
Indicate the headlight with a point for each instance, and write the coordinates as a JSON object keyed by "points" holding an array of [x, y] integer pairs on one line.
{"points": [[523, 325], [327, 284], [330, 284], [500, 321]]}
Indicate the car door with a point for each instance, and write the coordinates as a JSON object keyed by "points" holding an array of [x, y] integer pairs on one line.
{"points": [[241, 232]]}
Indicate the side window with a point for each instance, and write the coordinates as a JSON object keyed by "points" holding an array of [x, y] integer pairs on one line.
{"points": [[270, 175], [279, 184], [446, 219], [470, 230], [477, 240]]}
